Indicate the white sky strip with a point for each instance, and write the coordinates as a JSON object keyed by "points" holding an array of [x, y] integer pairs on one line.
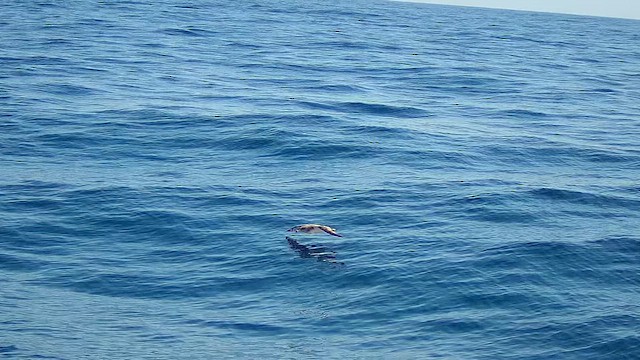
{"points": [[610, 8]]}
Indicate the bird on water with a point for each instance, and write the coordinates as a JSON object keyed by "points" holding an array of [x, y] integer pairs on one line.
{"points": [[314, 229]]}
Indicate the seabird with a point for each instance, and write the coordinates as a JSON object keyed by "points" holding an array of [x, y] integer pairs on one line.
{"points": [[314, 229]]}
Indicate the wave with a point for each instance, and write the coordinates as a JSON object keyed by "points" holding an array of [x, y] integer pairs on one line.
{"points": [[596, 200], [190, 32], [368, 108]]}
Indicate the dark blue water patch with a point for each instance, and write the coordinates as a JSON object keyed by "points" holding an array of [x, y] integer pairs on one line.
{"points": [[163, 120], [33, 187], [342, 45], [104, 195], [43, 237], [8, 60], [253, 139], [230, 199], [9, 232], [44, 60], [256, 329], [366, 219], [620, 244], [432, 159], [147, 286], [500, 215], [547, 248], [115, 59], [382, 132], [82, 144], [41, 205], [383, 110], [376, 197], [97, 22], [572, 262], [579, 340], [619, 256], [306, 69], [587, 60], [189, 6], [190, 32], [294, 121], [67, 89], [122, 215], [14, 149], [536, 152], [135, 227], [8, 349], [76, 140], [507, 299], [15, 352], [70, 202], [522, 114], [586, 198], [368, 108], [38, 356], [623, 347], [20, 263], [169, 256], [453, 326], [315, 150], [137, 117], [510, 206], [539, 41], [245, 45], [608, 157], [600, 91], [123, 285], [443, 87], [53, 43], [336, 88]]}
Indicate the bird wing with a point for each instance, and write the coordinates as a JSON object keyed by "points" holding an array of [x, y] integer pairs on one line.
{"points": [[330, 231]]}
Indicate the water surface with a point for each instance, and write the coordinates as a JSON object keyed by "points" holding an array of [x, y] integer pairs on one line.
{"points": [[483, 166]]}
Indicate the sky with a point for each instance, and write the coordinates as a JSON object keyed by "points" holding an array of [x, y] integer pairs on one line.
{"points": [[609, 8]]}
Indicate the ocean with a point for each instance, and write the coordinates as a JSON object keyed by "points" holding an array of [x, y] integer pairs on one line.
{"points": [[482, 166]]}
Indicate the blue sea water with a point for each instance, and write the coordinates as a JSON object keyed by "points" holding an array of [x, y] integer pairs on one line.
{"points": [[482, 165]]}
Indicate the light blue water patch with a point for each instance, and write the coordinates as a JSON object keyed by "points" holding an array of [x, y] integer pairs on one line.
{"points": [[482, 166]]}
